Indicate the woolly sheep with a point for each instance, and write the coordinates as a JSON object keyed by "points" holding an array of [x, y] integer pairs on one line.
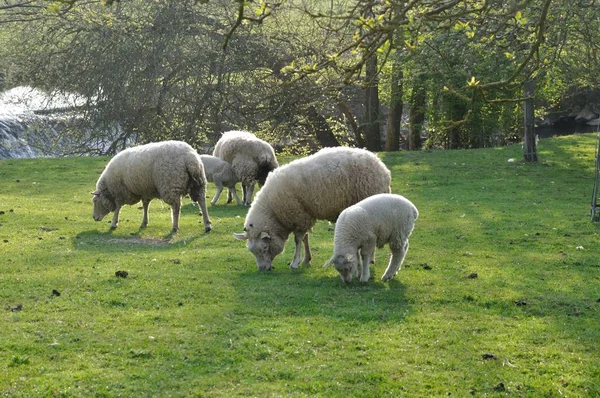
{"points": [[221, 174], [317, 187], [166, 170], [251, 158], [372, 222]]}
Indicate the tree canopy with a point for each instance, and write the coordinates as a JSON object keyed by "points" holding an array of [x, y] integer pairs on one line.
{"points": [[304, 71]]}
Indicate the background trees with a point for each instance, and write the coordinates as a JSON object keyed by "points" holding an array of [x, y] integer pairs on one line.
{"points": [[305, 71]]}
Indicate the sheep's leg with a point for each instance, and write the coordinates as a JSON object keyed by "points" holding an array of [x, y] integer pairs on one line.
{"points": [[229, 197], [307, 253], [367, 254], [244, 193], [115, 220], [249, 192], [398, 255], [145, 204], [175, 213], [233, 191], [219, 190], [298, 238], [202, 204]]}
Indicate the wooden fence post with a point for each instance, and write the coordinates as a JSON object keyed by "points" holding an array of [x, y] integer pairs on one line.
{"points": [[529, 145]]}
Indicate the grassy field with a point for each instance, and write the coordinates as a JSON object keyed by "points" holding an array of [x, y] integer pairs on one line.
{"points": [[499, 294]]}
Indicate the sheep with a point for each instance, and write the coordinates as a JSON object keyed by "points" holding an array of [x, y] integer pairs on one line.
{"points": [[166, 170], [251, 158], [221, 174], [317, 187], [374, 221]]}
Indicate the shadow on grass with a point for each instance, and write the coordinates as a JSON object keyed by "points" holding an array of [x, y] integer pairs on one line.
{"points": [[98, 240], [280, 294]]}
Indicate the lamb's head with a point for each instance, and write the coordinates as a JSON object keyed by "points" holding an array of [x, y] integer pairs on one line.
{"points": [[264, 243], [346, 265], [103, 204]]}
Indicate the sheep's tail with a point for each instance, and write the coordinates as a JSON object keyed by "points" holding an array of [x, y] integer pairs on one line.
{"points": [[264, 168], [197, 180]]}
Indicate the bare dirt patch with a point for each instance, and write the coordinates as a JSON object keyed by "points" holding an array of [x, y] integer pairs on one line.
{"points": [[141, 241]]}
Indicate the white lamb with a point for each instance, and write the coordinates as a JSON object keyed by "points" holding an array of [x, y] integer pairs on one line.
{"points": [[251, 158], [166, 170], [317, 187], [373, 222], [221, 174]]}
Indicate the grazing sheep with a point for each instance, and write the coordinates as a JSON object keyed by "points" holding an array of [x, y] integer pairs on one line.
{"points": [[317, 187], [166, 170], [251, 158], [221, 174], [372, 222]]}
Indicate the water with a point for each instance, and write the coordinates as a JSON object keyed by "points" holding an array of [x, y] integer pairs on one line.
{"points": [[37, 124]]}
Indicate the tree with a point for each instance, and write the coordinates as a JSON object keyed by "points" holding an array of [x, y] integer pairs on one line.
{"points": [[392, 142]]}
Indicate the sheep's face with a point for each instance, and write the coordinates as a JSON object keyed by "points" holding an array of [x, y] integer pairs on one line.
{"points": [[264, 246], [346, 265], [102, 205]]}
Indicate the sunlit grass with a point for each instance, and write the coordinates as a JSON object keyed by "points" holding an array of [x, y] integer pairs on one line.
{"points": [[499, 293]]}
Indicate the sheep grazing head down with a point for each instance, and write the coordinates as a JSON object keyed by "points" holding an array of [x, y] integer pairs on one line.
{"points": [[263, 244], [346, 265], [102, 205]]}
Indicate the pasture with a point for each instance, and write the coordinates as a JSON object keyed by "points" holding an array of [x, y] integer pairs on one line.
{"points": [[499, 293]]}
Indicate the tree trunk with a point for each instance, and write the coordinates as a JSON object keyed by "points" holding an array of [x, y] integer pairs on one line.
{"points": [[529, 146], [351, 118], [394, 120], [416, 117], [371, 126], [320, 128]]}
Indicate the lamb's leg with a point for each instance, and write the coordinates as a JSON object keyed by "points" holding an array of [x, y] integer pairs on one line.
{"points": [[396, 260], [367, 254], [175, 213], [307, 253], [115, 220], [219, 190], [298, 238], [145, 204], [357, 272], [229, 197], [233, 191]]}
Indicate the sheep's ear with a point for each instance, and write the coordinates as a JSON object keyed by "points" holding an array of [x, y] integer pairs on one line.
{"points": [[240, 236], [350, 257], [265, 235], [95, 193], [328, 263]]}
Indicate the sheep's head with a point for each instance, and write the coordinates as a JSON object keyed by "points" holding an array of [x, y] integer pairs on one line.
{"points": [[346, 265], [102, 205], [263, 244]]}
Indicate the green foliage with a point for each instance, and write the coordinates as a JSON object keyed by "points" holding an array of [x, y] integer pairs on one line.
{"points": [[194, 317]]}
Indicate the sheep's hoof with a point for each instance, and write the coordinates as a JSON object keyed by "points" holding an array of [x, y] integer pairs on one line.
{"points": [[113, 227], [207, 229]]}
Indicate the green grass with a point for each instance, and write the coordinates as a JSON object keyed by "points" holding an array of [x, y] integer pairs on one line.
{"points": [[194, 317]]}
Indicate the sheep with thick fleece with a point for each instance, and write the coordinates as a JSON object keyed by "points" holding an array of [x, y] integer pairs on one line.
{"points": [[372, 222], [317, 187], [221, 174], [251, 158], [166, 170]]}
